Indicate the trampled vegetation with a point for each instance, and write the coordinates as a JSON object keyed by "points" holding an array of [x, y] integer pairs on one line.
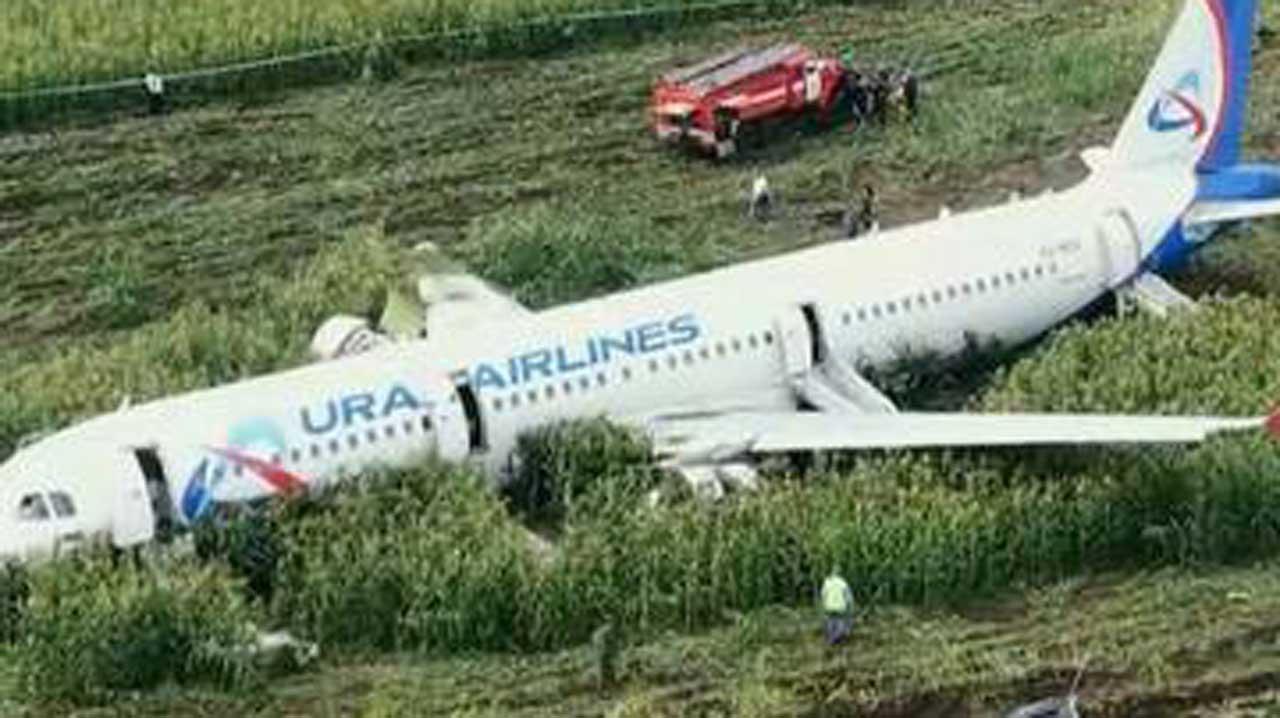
{"points": [[153, 256]]}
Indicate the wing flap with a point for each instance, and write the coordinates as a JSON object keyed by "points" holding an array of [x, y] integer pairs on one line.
{"points": [[769, 432]]}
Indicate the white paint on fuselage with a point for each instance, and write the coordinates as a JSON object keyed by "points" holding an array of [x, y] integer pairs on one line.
{"points": [[1007, 273]]}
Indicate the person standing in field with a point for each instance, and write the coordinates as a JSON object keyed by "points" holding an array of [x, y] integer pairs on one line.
{"points": [[761, 199], [837, 607]]}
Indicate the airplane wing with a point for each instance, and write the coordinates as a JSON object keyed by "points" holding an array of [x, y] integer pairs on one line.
{"points": [[436, 297], [444, 296], [727, 436]]}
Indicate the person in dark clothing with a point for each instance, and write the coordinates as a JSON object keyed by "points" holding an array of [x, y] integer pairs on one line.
{"points": [[868, 217], [910, 92], [858, 96], [880, 90]]}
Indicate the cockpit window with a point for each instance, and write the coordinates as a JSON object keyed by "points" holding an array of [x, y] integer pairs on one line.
{"points": [[32, 508], [62, 504]]}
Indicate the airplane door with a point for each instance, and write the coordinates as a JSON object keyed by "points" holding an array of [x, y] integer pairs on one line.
{"points": [[157, 491], [1119, 247], [795, 343]]}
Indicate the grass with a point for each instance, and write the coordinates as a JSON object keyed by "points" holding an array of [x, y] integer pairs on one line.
{"points": [[116, 227], [151, 255], [1182, 642], [82, 40]]}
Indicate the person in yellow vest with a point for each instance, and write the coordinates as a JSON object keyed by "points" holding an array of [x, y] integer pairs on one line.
{"points": [[837, 606]]}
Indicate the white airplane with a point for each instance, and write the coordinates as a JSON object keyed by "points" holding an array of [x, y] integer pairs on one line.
{"points": [[720, 367]]}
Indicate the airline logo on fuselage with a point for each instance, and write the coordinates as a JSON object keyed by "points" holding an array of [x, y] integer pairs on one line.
{"points": [[597, 350]]}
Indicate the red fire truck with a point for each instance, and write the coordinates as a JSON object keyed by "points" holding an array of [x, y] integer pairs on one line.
{"points": [[706, 104]]}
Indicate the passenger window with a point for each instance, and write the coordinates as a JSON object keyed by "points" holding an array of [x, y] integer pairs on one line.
{"points": [[277, 459], [515, 400], [982, 285], [353, 441], [752, 342], [862, 315], [1025, 274], [626, 374], [390, 431], [906, 304], [995, 281], [567, 387], [688, 356], [768, 337], [875, 310], [315, 449], [672, 361], [737, 345], [32, 508], [1009, 278], [937, 297], [891, 308], [704, 352], [584, 382], [371, 436], [295, 455], [551, 392], [532, 396], [653, 365], [62, 504], [426, 423], [951, 292], [845, 318], [601, 379], [720, 349], [497, 404], [408, 426], [1039, 271]]}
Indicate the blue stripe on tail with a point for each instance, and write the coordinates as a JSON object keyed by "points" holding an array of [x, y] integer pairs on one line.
{"points": [[1237, 17]]}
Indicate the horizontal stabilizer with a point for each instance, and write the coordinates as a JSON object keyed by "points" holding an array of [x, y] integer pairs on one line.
{"points": [[1230, 211]]}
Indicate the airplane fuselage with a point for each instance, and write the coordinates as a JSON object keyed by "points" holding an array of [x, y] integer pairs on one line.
{"points": [[726, 339]]}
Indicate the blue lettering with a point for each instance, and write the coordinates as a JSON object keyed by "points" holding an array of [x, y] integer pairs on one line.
{"points": [[357, 405], [652, 337], [683, 329], [563, 364], [400, 398], [547, 363], [539, 360], [486, 375], [608, 344], [330, 423], [513, 371]]}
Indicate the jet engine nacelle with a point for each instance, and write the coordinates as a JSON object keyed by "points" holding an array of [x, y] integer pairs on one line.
{"points": [[345, 335]]}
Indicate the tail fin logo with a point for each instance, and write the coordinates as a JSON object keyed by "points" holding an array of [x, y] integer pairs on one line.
{"points": [[1178, 108]]}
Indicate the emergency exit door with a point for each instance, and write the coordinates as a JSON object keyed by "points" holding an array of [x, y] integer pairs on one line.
{"points": [[157, 484]]}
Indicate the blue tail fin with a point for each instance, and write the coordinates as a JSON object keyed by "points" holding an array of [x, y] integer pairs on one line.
{"points": [[1237, 17], [1190, 111]]}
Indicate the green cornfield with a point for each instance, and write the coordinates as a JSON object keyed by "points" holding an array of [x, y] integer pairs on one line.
{"points": [[65, 43]]}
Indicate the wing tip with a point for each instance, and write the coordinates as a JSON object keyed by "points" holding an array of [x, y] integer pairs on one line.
{"points": [[1272, 424]]}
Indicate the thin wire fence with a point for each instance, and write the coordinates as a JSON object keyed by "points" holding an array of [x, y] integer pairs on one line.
{"points": [[159, 90]]}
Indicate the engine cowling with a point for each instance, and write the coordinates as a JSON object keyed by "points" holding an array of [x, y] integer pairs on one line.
{"points": [[345, 335]]}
